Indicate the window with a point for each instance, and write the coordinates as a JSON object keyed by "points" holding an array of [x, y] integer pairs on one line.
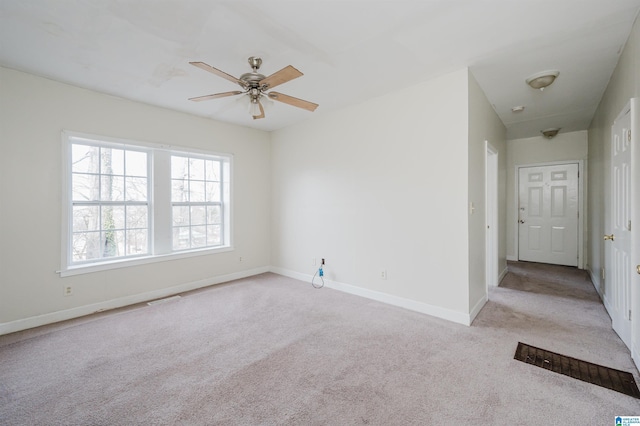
{"points": [[136, 202], [196, 202], [109, 202]]}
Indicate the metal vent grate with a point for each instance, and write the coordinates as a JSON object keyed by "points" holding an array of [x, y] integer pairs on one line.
{"points": [[619, 381]]}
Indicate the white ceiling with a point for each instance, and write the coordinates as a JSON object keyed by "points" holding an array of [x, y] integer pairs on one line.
{"points": [[349, 51]]}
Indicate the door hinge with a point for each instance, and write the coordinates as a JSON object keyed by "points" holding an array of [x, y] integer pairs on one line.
{"points": [[629, 314], [629, 226], [603, 273]]}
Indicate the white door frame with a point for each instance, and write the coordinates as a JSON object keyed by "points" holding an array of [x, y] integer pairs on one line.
{"points": [[581, 206], [491, 215]]}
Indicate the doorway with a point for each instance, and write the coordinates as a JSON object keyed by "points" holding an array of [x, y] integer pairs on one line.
{"points": [[548, 214]]}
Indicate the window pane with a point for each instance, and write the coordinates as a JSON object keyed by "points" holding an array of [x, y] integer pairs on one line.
{"points": [[86, 218], [213, 235], [84, 187], [212, 170], [179, 191], [196, 169], [113, 243], [180, 215], [213, 191], [213, 214], [112, 161], [137, 242], [181, 238], [136, 163], [198, 215], [179, 167], [198, 236], [196, 191], [112, 188], [136, 188], [85, 246], [112, 217], [84, 159], [137, 217]]}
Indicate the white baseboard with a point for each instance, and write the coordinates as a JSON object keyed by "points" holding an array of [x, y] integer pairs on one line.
{"points": [[412, 305], [477, 308], [512, 258], [595, 280], [503, 274], [39, 320]]}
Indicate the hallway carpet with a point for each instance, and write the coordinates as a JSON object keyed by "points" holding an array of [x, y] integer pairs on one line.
{"points": [[271, 350]]}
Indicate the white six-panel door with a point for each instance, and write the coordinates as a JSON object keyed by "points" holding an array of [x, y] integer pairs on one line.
{"points": [[548, 214], [618, 268]]}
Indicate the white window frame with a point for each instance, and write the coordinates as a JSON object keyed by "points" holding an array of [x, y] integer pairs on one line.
{"points": [[159, 202]]}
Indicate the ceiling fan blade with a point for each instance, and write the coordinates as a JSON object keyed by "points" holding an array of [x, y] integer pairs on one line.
{"points": [[215, 96], [309, 106], [287, 73], [216, 71], [255, 117]]}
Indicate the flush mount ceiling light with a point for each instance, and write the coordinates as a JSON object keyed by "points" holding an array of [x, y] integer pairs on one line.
{"points": [[518, 108], [542, 79], [550, 133]]}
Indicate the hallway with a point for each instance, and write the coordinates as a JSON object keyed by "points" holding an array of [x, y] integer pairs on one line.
{"points": [[556, 308]]}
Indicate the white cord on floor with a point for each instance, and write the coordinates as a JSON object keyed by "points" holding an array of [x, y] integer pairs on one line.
{"points": [[321, 279]]}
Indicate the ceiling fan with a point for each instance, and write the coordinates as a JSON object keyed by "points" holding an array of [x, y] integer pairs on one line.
{"points": [[255, 85]]}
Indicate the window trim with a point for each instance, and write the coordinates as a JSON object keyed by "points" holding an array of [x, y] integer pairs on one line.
{"points": [[69, 269]]}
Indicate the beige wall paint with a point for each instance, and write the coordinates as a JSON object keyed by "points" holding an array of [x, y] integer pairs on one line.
{"points": [[33, 112], [624, 85], [484, 125], [380, 185]]}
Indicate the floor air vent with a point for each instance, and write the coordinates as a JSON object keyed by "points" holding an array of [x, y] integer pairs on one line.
{"points": [[616, 380]]}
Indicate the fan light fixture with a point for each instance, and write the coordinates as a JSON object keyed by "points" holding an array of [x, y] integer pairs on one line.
{"points": [[542, 79], [254, 107], [550, 133]]}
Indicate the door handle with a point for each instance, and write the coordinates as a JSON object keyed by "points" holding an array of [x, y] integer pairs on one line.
{"points": [[610, 237], [638, 269], [521, 221]]}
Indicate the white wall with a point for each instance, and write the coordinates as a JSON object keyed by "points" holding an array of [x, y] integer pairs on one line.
{"points": [[484, 125], [380, 185], [33, 112], [624, 85], [564, 147]]}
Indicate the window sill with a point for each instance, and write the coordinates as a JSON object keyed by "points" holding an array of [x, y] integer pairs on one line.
{"points": [[125, 263]]}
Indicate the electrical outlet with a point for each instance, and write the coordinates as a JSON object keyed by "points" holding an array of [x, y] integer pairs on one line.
{"points": [[240, 259], [322, 261], [67, 290], [383, 274]]}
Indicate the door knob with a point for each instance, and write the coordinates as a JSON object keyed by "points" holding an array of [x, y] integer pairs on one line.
{"points": [[609, 237], [521, 221], [638, 269]]}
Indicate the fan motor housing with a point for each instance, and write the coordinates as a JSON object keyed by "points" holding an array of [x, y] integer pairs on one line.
{"points": [[252, 79]]}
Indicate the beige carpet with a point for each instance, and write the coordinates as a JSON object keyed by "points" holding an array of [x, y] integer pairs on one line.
{"points": [[272, 350]]}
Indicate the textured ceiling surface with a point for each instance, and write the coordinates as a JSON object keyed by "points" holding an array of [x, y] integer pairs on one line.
{"points": [[348, 50]]}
